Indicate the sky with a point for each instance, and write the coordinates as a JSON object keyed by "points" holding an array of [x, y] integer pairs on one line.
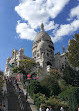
{"points": [[20, 22]]}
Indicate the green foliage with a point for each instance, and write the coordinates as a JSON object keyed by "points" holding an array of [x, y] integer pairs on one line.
{"points": [[71, 96], [56, 103], [43, 101], [26, 65], [1, 73], [34, 87], [40, 99], [16, 70], [62, 84], [73, 51], [55, 74], [71, 76], [50, 86]]}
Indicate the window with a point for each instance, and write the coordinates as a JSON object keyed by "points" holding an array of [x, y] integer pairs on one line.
{"points": [[62, 66], [35, 52], [48, 54], [38, 55], [49, 63]]}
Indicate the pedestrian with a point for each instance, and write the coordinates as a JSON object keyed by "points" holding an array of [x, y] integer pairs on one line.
{"points": [[17, 85], [20, 91], [62, 109], [0, 107], [4, 108], [26, 95], [40, 109], [78, 108], [47, 109], [50, 108]]}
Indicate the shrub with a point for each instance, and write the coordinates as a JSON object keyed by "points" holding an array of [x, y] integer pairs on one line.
{"points": [[71, 96], [71, 76], [56, 103], [50, 86], [40, 99], [34, 87]]}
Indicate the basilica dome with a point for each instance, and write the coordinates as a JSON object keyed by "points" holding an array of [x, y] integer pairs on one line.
{"points": [[43, 49], [42, 45], [42, 34]]}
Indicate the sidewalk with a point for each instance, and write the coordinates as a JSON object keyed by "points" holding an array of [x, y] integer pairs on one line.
{"points": [[30, 101]]}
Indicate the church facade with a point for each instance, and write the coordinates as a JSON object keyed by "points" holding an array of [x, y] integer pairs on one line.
{"points": [[43, 54], [14, 60]]}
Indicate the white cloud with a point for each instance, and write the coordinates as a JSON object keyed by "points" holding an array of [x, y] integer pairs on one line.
{"points": [[74, 13], [34, 12], [50, 26], [38, 11], [66, 29], [25, 32]]}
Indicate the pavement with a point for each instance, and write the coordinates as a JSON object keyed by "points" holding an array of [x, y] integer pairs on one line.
{"points": [[30, 101]]}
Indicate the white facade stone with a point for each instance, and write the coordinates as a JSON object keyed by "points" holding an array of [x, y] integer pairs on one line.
{"points": [[43, 49], [14, 60]]}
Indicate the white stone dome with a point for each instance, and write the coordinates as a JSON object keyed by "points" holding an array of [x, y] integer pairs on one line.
{"points": [[42, 34], [42, 45]]}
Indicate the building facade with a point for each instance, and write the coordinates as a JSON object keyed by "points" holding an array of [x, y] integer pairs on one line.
{"points": [[43, 54], [14, 60], [43, 50]]}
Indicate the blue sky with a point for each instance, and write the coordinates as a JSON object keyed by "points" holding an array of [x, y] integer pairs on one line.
{"points": [[20, 22]]}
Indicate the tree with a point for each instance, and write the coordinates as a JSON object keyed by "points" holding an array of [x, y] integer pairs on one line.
{"points": [[16, 69], [1, 73], [71, 96], [26, 65], [34, 87], [55, 74], [73, 51], [71, 76], [50, 83]]}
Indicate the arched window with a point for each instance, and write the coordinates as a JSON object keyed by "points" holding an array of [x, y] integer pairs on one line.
{"points": [[37, 54], [48, 54], [49, 63]]}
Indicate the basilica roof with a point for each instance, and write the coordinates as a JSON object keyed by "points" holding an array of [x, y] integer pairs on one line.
{"points": [[42, 44], [42, 34]]}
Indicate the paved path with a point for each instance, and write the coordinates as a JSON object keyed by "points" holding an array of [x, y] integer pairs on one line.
{"points": [[14, 102]]}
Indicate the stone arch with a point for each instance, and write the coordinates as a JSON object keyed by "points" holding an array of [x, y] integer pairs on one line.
{"points": [[49, 63]]}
